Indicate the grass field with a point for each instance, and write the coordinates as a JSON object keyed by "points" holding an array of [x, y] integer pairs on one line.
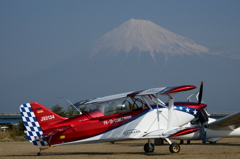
{"points": [[228, 148]]}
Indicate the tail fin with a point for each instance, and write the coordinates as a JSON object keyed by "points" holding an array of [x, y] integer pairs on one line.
{"points": [[37, 119]]}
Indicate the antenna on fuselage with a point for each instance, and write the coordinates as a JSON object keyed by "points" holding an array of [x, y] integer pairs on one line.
{"points": [[74, 107]]}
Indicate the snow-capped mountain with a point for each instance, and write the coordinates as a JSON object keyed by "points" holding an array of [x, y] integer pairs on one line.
{"points": [[145, 36], [83, 76]]}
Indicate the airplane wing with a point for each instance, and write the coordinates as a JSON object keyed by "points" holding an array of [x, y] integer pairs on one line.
{"points": [[229, 122], [179, 131], [184, 131], [160, 90], [172, 132]]}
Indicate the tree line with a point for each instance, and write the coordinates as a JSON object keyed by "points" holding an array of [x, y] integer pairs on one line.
{"points": [[70, 112]]}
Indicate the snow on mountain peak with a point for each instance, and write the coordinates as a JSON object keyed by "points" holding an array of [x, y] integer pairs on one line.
{"points": [[146, 36]]}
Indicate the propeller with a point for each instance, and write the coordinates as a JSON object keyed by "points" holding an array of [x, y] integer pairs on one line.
{"points": [[203, 116], [200, 93]]}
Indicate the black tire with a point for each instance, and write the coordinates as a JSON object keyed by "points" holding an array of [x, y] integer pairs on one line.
{"points": [[39, 153], [147, 148], [174, 147], [181, 142]]}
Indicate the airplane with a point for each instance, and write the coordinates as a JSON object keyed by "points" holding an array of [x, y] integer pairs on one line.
{"points": [[125, 116], [216, 129], [211, 130]]}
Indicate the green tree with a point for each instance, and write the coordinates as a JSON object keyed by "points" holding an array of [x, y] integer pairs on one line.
{"points": [[59, 110], [71, 112], [21, 126]]}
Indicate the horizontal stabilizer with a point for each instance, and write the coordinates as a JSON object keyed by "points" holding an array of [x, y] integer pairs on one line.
{"points": [[54, 131]]}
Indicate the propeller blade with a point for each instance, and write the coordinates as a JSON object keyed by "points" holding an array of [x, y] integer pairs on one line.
{"points": [[200, 93], [203, 116]]}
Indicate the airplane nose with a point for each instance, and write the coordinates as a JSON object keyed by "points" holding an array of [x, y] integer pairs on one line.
{"points": [[198, 106]]}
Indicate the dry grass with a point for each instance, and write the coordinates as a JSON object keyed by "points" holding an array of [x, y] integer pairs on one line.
{"points": [[226, 148], [12, 135]]}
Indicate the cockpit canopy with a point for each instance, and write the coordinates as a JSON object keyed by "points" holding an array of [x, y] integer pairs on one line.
{"points": [[121, 105]]}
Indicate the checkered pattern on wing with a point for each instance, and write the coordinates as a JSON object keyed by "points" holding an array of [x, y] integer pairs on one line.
{"points": [[32, 126]]}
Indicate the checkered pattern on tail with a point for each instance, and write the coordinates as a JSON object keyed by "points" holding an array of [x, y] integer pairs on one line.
{"points": [[34, 131]]}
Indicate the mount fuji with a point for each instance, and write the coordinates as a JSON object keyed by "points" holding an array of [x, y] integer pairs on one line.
{"points": [[145, 36], [134, 56]]}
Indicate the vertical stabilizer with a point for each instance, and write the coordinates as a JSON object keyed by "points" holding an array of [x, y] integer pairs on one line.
{"points": [[36, 120], [32, 126]]}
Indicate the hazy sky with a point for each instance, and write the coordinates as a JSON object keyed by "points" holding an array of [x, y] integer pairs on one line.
{"points": [[37, 34]]}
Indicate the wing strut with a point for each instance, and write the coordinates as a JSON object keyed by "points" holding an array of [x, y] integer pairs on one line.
{"points": [[143, 97], [170, 110], [158, 114]]}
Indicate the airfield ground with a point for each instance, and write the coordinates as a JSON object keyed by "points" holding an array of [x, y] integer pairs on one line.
{"points": [[225, 149]]}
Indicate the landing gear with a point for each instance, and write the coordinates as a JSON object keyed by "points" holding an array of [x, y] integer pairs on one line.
{"points": [[43, 148], [181, 142], [39, 153], [148, 147], [174, 147]]}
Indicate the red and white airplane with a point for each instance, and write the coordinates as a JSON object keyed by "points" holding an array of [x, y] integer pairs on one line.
{"points": [[131, 115]]}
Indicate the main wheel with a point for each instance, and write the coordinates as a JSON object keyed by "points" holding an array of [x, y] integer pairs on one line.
{"points": [[148, 148], [174, 147], [181, 142]]}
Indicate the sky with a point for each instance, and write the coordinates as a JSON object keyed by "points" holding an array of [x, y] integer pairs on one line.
{"points": [[35, 35]]}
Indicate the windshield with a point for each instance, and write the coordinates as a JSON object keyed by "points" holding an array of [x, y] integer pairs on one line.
{"points": [[194, 98]]}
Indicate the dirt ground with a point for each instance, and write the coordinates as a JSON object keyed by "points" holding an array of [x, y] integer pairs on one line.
{"points": [[227, 148]]}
